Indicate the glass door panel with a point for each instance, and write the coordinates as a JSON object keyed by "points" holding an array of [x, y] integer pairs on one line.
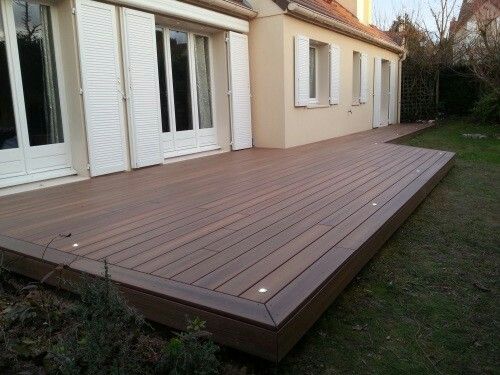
{"points": [[12, 161], [203, 89], [186, 91], [162, 76], [38, 71], [206, 131], [181, 81], [8, 131]]}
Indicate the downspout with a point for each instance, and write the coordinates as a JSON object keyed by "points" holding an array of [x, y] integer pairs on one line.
{"points": [[402, 57], [341, 27]]}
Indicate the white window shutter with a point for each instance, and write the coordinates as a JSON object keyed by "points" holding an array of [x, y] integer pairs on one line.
{"points": [[393, 101], [377, 91], [101, 83], [364, 78], [141, 73], [334, 74], [301, 71], [240, 99]]}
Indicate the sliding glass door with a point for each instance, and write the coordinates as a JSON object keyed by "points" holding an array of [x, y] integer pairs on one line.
{"points": [[30, 110], [185, 91]]}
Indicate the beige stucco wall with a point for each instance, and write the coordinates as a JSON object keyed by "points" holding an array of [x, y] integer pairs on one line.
{"points": [[267, 81], [276, 121]]}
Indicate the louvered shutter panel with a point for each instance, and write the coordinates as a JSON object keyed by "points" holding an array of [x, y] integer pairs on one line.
{"points": [[101, 80], [364, 78], [239, 78], [301, 71], [393, 109], [377, 91], [334, 74], [143, 91]]}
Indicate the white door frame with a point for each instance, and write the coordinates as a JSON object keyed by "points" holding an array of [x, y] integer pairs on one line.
{"points": [[175, 142], [37, 161]]}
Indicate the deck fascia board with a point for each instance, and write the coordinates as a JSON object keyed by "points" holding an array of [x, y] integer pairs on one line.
{"points": [[237, 308]]}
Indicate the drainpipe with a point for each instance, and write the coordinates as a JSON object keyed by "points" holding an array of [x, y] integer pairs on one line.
{"points": [[402, 57], [341, 27]]}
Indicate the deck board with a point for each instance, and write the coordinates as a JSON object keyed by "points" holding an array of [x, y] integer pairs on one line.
{"points": [[201, 237]]}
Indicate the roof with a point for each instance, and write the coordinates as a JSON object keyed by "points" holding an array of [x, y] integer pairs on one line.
{"points": [[468, 9], [333, 9]]}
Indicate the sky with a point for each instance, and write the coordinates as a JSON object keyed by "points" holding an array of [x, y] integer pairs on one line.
{"points": [[385, 11]]}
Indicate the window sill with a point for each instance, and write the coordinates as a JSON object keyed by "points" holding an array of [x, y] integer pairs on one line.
{"points": [[311, 106]]}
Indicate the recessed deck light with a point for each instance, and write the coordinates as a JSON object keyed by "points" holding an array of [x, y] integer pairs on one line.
{"points": [[418, 170], [262, 290], [374, 204], [75, 245]]}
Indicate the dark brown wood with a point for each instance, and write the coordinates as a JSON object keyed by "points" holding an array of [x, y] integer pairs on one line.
{"points": [[201, 237]]}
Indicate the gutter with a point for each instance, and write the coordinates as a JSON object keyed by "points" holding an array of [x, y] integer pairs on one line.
{"points": [[227, 6], [316, 17]]}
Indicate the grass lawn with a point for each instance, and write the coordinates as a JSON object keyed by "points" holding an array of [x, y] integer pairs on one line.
{"points": [[428, 301], [426, 304]]}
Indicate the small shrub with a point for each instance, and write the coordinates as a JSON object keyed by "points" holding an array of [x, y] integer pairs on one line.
{"points": [[487, 108], [190, 352], [104, 337]]}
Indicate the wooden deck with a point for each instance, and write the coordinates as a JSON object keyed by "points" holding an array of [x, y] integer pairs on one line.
{"points": [[258, 243]]}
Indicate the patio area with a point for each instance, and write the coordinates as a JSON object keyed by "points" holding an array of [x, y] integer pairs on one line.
{"points": [[257, 243]]}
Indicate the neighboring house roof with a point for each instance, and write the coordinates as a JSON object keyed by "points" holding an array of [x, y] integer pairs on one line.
{"points": [[468, 9], [337, 12]]}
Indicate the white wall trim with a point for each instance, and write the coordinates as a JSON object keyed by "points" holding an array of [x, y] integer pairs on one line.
{"points": [[188, 12]]}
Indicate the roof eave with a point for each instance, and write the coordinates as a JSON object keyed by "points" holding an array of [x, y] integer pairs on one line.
{"points": [[226, 6], [312, 16]]}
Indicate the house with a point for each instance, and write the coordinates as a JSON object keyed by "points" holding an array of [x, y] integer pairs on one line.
{"points": [[475, 17], [91, 88], [326, 72], [256, 243]]}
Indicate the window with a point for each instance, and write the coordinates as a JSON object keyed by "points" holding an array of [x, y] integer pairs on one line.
{"points": [[8, 133], [313, 58], [312, 72], [184, 65], [356, 78], [181, 80], [162, 76], [38, 71]]}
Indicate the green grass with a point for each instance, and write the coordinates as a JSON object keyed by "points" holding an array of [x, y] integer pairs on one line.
{"points": [[428, 301]]}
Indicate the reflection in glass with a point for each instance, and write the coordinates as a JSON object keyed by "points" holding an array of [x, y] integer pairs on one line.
{"points": [[180, 78], [202, 63], [8, 135], [38, 69], [162, 77]]}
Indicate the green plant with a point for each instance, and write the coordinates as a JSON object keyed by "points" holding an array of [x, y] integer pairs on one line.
{"points": [[487, 108], [190, 352], [105, 335]]}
